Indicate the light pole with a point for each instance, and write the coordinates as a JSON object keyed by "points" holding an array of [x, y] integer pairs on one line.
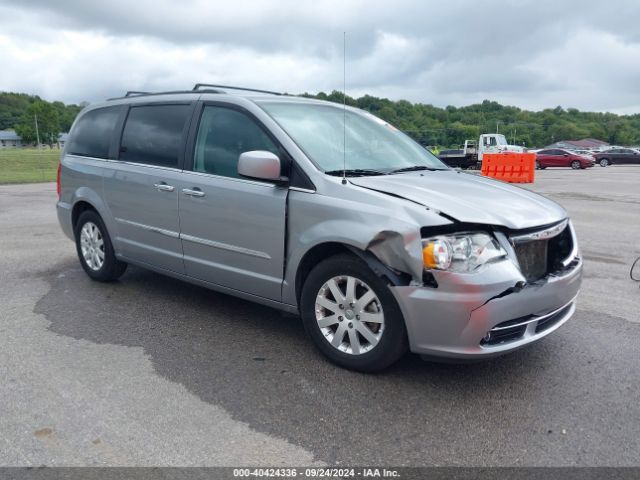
{"points": [[37, 132]]}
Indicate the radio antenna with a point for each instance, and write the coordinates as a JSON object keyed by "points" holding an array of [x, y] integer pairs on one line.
{"points": [[344, 108]]}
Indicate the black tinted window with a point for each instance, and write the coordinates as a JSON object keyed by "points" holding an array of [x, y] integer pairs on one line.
{"points": [[153, 134], [222, 136], [92, 134]]}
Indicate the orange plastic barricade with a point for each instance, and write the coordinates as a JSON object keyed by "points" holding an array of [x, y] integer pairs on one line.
{"points": [[510, 167]]}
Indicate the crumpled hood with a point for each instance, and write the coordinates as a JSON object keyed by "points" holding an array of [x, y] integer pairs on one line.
{"points": [[469, 198]]}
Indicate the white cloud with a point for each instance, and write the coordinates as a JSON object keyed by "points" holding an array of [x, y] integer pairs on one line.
{"points": [[530, 54], [592, 67]]}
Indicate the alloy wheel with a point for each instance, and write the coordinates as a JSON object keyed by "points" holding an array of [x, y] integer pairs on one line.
{"points": [[349, 315], [92, 246]]}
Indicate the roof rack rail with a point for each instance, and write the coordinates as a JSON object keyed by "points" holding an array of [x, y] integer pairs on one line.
{"points": [[198, 88], [134, 93], [229, 87]]}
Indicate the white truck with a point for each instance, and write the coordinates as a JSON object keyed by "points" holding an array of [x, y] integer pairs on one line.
{"points": [[471, 156]]}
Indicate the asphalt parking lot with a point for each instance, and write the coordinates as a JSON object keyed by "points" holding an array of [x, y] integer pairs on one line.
{"points": [[152, 371]]}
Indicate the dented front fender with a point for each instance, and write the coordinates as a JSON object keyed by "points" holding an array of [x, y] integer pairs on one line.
{"points": [[387, 227]]}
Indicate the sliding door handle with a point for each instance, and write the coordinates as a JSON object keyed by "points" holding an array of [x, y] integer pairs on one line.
{"points": [[163, 187], [195, 192]]}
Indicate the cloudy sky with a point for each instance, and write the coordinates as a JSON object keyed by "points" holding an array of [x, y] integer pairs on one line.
{"points": [[532, 54]]}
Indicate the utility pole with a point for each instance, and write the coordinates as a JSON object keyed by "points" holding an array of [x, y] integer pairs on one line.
{"points": [[497, 122], [37, 133]]}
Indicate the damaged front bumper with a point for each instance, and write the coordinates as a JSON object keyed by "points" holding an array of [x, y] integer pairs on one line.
{"points": [[486, 313]]}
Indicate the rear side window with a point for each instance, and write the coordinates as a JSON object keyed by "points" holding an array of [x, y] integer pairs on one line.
{"points": [[91, 136], [153, 134]]}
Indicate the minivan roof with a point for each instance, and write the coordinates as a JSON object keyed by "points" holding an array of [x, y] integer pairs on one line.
{"points": [[198, 87], [208, 91]]}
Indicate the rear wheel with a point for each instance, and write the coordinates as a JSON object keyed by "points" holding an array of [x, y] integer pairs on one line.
{"points": [[351, 315], [537, 165], [95, 250], [604, 162], [576, 165]]}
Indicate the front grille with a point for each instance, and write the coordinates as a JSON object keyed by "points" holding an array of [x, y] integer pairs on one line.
{"points": [[532, 257], [560, 247], [539, 258], [503, 336], [552, 320], [515, 329]]}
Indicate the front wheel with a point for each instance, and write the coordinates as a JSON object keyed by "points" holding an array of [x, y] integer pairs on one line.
{"points": [[576, 165], [604, 162], [95, 250], [351, 315]]}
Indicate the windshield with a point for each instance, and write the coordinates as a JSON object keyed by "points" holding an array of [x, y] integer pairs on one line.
{"points": [[501, 140], [367, 142]]}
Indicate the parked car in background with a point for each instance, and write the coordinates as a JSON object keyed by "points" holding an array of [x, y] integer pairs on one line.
{"points": [[586, 153], [557, 157], [620, 156]]}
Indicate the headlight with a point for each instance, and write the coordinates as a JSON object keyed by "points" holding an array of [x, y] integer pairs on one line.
{"points": [[460, 252]]}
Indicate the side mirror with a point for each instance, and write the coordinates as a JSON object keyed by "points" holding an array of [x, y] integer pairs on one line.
{"points": [[259, 164], [566, 155]]}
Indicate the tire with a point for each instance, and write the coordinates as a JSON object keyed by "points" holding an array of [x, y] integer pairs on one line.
{"points": [[604, 162], [576, 165], [377, 343], [98, 259], [538, 165]]}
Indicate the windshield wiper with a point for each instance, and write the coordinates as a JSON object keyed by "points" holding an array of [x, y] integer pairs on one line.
{"points": [[354, 172], [415, 168]]}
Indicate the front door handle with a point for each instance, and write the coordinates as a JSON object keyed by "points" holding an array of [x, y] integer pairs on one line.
{"points": [[195, 192], [163, 187]]}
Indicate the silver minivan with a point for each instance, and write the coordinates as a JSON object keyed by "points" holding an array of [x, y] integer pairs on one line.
{"points": [[320, 210]]}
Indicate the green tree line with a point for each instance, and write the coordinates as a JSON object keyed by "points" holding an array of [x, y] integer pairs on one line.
{"points": [[451, 126], [446, 127], [20, 112]]}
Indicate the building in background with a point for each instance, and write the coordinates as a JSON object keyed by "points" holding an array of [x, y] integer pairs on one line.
{"points": [[9, 139], [584, 144]]}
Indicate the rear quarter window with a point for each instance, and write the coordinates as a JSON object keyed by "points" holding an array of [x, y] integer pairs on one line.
{"points": [[92, 134], [153, 134]]}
